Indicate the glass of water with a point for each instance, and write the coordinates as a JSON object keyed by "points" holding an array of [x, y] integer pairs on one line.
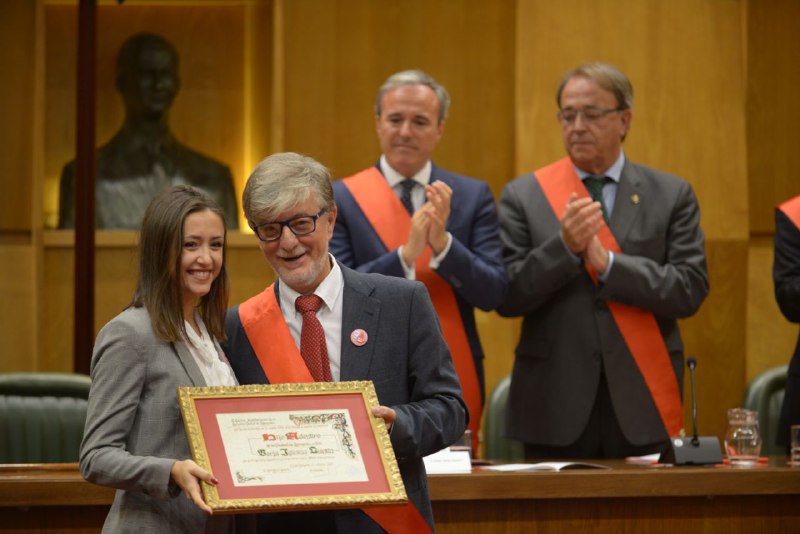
{"points": [[464, 443], [794, 435], [742, 441]]}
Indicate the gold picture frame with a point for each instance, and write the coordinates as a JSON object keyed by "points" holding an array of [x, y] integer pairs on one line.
{"points": [[306, 446]]}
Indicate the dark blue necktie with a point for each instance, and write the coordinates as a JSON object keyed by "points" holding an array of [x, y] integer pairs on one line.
{"points": [[408, 186]]}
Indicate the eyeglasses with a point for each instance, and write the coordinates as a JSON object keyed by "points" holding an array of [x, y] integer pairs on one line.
{"points": [[591, 114], [300, 225]]}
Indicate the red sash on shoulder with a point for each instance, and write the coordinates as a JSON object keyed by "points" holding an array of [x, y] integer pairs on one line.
{"points": [[791, 208], [282, 362], [391, 222], [637, 326]]}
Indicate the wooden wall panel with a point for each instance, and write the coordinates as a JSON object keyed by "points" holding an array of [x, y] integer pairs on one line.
{"points": [[689, 96], [17, 310], [17, 52], [717, 338], [57, 309], [258, 82], [771, 337], [18, 251], [336, 55], [207, 114], [773, 108]]}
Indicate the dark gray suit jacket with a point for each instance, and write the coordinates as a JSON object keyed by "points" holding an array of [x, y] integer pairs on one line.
{"points": [[409, 363], [134, 429], [568, 332]]}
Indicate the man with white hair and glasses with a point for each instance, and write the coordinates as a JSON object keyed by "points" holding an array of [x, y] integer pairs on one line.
{"points": [[323, 322], [603, 257]]}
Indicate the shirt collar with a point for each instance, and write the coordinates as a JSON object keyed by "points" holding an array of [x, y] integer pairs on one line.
{"points": [[191, 335], [614, 172], [423, 177], [328, 290]]}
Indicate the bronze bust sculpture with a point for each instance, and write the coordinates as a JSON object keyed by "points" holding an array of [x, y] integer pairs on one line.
{"points": [[144, 157]]}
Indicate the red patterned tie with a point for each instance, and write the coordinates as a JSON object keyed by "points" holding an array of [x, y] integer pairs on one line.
{"points": [[312, 338]]}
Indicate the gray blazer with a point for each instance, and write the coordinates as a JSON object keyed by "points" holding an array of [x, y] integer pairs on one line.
{"points": [[134, 431], [568, 333]]}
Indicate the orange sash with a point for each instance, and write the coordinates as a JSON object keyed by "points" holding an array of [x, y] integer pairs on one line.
{"points": [[791, 208], [637, 326], [391, 222], [282, 362]]}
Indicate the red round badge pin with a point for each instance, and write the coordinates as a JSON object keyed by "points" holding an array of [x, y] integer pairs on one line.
{"points": [[358, 337]]}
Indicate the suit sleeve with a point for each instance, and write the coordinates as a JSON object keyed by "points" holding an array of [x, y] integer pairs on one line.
{"points": [[119, 372], [536, 270], [475, 269], [436, 414], [676, 286], [341, 244], [786, 267]]}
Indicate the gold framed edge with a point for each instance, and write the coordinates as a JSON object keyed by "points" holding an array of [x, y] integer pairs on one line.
{"points": [[396, 493]]}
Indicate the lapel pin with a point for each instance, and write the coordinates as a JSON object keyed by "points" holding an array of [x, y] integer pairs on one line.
{"points": [[635, 198], [358, 337]]}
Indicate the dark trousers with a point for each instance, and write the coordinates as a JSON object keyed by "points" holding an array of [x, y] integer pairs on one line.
{"points": [[602, 437]]}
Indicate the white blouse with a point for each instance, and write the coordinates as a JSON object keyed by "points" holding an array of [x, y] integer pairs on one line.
{"points": [[216, 370]]}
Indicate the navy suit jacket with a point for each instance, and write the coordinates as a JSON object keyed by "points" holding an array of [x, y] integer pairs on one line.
{"points": [[473, 267], [786, 276], [409, 363]]}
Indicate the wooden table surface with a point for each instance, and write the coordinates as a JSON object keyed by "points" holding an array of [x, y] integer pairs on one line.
{"points": [[624, 498]]}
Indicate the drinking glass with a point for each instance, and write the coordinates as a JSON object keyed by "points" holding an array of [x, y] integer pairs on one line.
{"points": [[794, 434], [742, 441], [464, 443]]}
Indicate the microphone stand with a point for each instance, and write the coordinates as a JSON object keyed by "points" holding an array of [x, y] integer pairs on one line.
{"points": [[698, 450]]}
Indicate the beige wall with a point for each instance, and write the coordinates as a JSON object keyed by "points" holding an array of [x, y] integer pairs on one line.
{"points": [[715, 84]]}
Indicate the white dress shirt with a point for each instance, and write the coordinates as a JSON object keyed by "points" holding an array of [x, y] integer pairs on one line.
{"points": [[330, 290], [216, 372]]}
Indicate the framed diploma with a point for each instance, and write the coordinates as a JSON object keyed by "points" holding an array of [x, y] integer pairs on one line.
{"points": [[291, 446]]}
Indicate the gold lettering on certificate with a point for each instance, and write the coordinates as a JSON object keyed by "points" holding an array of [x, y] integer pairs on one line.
{"points": [[291, 447]]}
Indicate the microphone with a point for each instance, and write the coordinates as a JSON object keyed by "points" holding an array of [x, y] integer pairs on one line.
{"points": [[691, 363], [698, 450]]}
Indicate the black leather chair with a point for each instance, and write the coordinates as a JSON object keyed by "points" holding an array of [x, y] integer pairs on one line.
{"points": [[42, 416], [765, 395]]}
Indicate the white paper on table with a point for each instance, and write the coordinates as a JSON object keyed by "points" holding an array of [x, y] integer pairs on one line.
{"points": [[448, 462], [545, 466], [647, 459]]}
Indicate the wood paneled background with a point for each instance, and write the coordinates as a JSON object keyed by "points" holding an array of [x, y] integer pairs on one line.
{"points": [[715, 102]]}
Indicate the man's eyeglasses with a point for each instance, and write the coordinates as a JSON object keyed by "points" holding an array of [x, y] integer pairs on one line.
{"points": [[591, 114], [300, 225]]}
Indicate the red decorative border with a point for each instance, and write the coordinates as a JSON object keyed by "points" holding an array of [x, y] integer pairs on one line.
{"points": [[208, 408]]}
